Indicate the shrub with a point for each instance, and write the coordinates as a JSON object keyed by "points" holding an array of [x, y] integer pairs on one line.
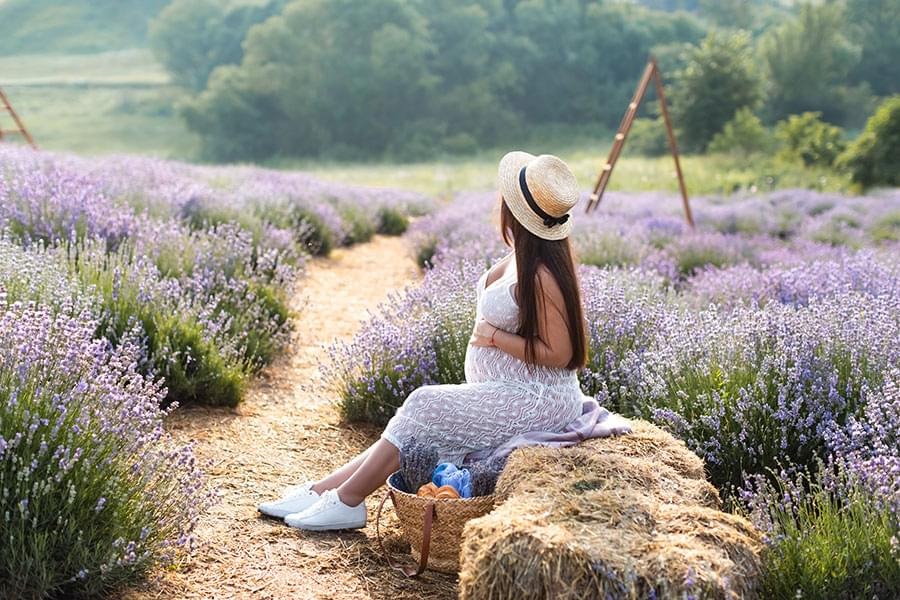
{"points": [[744, 134], [647, 137], [94, 491], [200, 215], [419, 338], [719, 78], [835, 232], [312, 232], [360, 226], [807, 138], [872, 158], [827, 541], [624, 320], [752, 388], [178, 331], [425, 252], [836, 533], [33, 275], [887, 228], [809, 59], [190, 343], [696, 251], [391, 221], [607, 249]]}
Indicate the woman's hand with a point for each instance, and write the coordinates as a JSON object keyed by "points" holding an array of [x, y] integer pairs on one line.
{"points": [[481, 336]]}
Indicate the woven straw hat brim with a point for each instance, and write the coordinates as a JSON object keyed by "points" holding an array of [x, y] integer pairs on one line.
{"points": [[508, 180]]}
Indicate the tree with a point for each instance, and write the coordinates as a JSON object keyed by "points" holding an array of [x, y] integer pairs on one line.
{"points": [[808, 59], [875, 27], [738, 14], [874, 157], [330, 72], [475, 74], [807, 138], [744, 134], [193, 37], [719, 79], [240, 116], [409, 78], [579, 61]]}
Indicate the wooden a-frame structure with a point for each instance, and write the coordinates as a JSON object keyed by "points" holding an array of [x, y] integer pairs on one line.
{"points": [[651, 72]]}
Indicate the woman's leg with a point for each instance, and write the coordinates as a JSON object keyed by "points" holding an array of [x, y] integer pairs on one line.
{"points": [[341, 474], [382, 460]]}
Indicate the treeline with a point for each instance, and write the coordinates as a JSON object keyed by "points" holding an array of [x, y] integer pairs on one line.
{"points": [[411, 78]]}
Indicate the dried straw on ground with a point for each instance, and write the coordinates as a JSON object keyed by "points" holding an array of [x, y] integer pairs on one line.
{"points": [[625, 517]]}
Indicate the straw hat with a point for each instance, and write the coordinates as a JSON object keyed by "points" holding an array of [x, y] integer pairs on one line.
{"points": [[540, 191]]}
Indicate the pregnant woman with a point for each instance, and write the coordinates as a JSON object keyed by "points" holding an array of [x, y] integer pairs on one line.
{"points": [[521, 362]]}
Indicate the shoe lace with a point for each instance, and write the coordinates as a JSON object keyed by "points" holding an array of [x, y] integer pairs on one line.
{"points": [[331, 498], [297, 490], [328, 499]]}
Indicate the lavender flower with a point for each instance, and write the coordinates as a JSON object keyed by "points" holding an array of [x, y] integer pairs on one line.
{"points": [[83, 441]]}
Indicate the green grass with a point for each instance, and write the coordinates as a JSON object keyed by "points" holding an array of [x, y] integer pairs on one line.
{"points": [[96, 103], [135, 66], [703, 174], [74, 25], [829, 548]]}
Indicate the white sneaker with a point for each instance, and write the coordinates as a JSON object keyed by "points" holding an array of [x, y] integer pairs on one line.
{"points": [[294, 499], [329, 513]]}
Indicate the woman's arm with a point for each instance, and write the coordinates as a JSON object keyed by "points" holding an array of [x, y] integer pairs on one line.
{"points": [[554, 346]]}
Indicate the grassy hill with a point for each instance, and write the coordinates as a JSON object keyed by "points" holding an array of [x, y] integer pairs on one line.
{"points": [[74, 26], [81, 76], [117, 101]]}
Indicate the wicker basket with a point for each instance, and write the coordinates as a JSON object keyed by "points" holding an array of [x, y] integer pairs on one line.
{"points": [[432, 526]]}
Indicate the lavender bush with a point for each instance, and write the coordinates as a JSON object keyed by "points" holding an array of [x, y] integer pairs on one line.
{"points": [[418, 337], [827, 537], [189, 337], [94, 491], [750, 387], [202, 260], [834, 532]]}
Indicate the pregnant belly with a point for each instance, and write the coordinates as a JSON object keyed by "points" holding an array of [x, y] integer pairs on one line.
{"points": [[492, 364]]}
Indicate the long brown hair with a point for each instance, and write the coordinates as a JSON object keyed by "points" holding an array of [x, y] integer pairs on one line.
{"points": [[559, 259]]}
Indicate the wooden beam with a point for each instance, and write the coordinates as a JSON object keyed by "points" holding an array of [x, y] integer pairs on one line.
{"points": [[651, 71]]}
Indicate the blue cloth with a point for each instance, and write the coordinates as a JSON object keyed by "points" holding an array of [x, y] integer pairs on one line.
{"points": [[448, 474]]}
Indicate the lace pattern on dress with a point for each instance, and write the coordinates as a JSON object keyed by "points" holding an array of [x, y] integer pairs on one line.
{"points": [[501, 397]]}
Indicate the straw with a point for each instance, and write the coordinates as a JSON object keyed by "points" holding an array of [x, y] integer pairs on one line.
{"points": [[619, 517]]}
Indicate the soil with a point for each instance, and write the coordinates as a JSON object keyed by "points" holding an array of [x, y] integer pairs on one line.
{"points": [[288, 430]]}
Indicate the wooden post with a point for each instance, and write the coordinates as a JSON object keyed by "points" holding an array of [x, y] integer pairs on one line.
{"points": [[621, 134], [5, 105], [673, 145], [650, 72]]}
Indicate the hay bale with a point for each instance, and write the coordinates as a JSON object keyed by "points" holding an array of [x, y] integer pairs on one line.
{"points": [[621, 517]]}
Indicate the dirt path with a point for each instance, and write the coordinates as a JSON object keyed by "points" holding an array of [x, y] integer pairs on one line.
{"points": [[287, 431]]}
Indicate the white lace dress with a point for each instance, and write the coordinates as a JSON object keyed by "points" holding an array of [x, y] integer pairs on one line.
{"points": [[500, 398]]}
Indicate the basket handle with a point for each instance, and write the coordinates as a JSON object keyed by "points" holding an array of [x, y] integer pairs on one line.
{"points": [[426, 538]]}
